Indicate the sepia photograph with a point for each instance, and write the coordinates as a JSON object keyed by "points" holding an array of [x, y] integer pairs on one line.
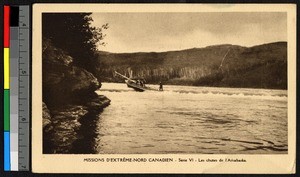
{"points": [[165, 83]]}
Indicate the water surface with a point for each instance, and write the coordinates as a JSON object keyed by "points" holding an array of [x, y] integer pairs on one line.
{"points": [[183, 119]]}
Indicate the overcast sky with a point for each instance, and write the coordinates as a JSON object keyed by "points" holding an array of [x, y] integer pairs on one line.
{"points": [[146, 32]]}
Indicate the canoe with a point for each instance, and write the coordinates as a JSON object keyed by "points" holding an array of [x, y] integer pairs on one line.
{"points": [[138, 87], [135, 84]]}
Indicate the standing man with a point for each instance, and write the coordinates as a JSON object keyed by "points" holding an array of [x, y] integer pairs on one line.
{"points": [[160, 86]]}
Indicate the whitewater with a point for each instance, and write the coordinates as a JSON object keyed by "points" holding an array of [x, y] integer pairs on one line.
{"points": [[185, 119]]}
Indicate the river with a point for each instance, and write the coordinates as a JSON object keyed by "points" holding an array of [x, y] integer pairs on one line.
{"points": [[184, 119]]}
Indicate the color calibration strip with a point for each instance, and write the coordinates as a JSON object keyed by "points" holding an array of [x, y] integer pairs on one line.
{"points": [[7, 164], [16, 88]]}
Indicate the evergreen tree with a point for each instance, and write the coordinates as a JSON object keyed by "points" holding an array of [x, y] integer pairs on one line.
{"points": [[73, 33]]}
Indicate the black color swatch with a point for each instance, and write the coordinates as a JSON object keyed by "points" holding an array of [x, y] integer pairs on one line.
{"points": [[14, 16]]}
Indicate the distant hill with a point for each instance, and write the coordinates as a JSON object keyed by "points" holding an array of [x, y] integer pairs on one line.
{"points": [[262, 66]]}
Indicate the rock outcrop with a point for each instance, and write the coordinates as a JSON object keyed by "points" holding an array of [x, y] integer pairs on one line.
{"points": [[68, 99], [47, 126]]}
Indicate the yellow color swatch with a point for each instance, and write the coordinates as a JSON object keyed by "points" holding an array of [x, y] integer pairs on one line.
{"points": [[6, 68]]}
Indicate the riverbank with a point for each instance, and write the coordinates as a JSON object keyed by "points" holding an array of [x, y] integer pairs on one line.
{"points": [[65, 126], [262, 66], [69, 101]]}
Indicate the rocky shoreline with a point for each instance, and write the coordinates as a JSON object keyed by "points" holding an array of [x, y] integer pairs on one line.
{"points": [[62, 127], [70, 103]]}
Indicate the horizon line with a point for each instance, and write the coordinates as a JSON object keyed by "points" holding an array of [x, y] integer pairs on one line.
{"points": [[175, 50]]}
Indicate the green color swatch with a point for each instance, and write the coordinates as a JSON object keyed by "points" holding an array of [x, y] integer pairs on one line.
{"points": [[6, 110]]}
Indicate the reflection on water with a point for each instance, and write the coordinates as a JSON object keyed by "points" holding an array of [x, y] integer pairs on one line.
{"points": [[203, 120]]}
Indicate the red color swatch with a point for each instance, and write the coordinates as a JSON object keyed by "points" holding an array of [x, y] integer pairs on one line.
{"points": [[6, 26]]}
